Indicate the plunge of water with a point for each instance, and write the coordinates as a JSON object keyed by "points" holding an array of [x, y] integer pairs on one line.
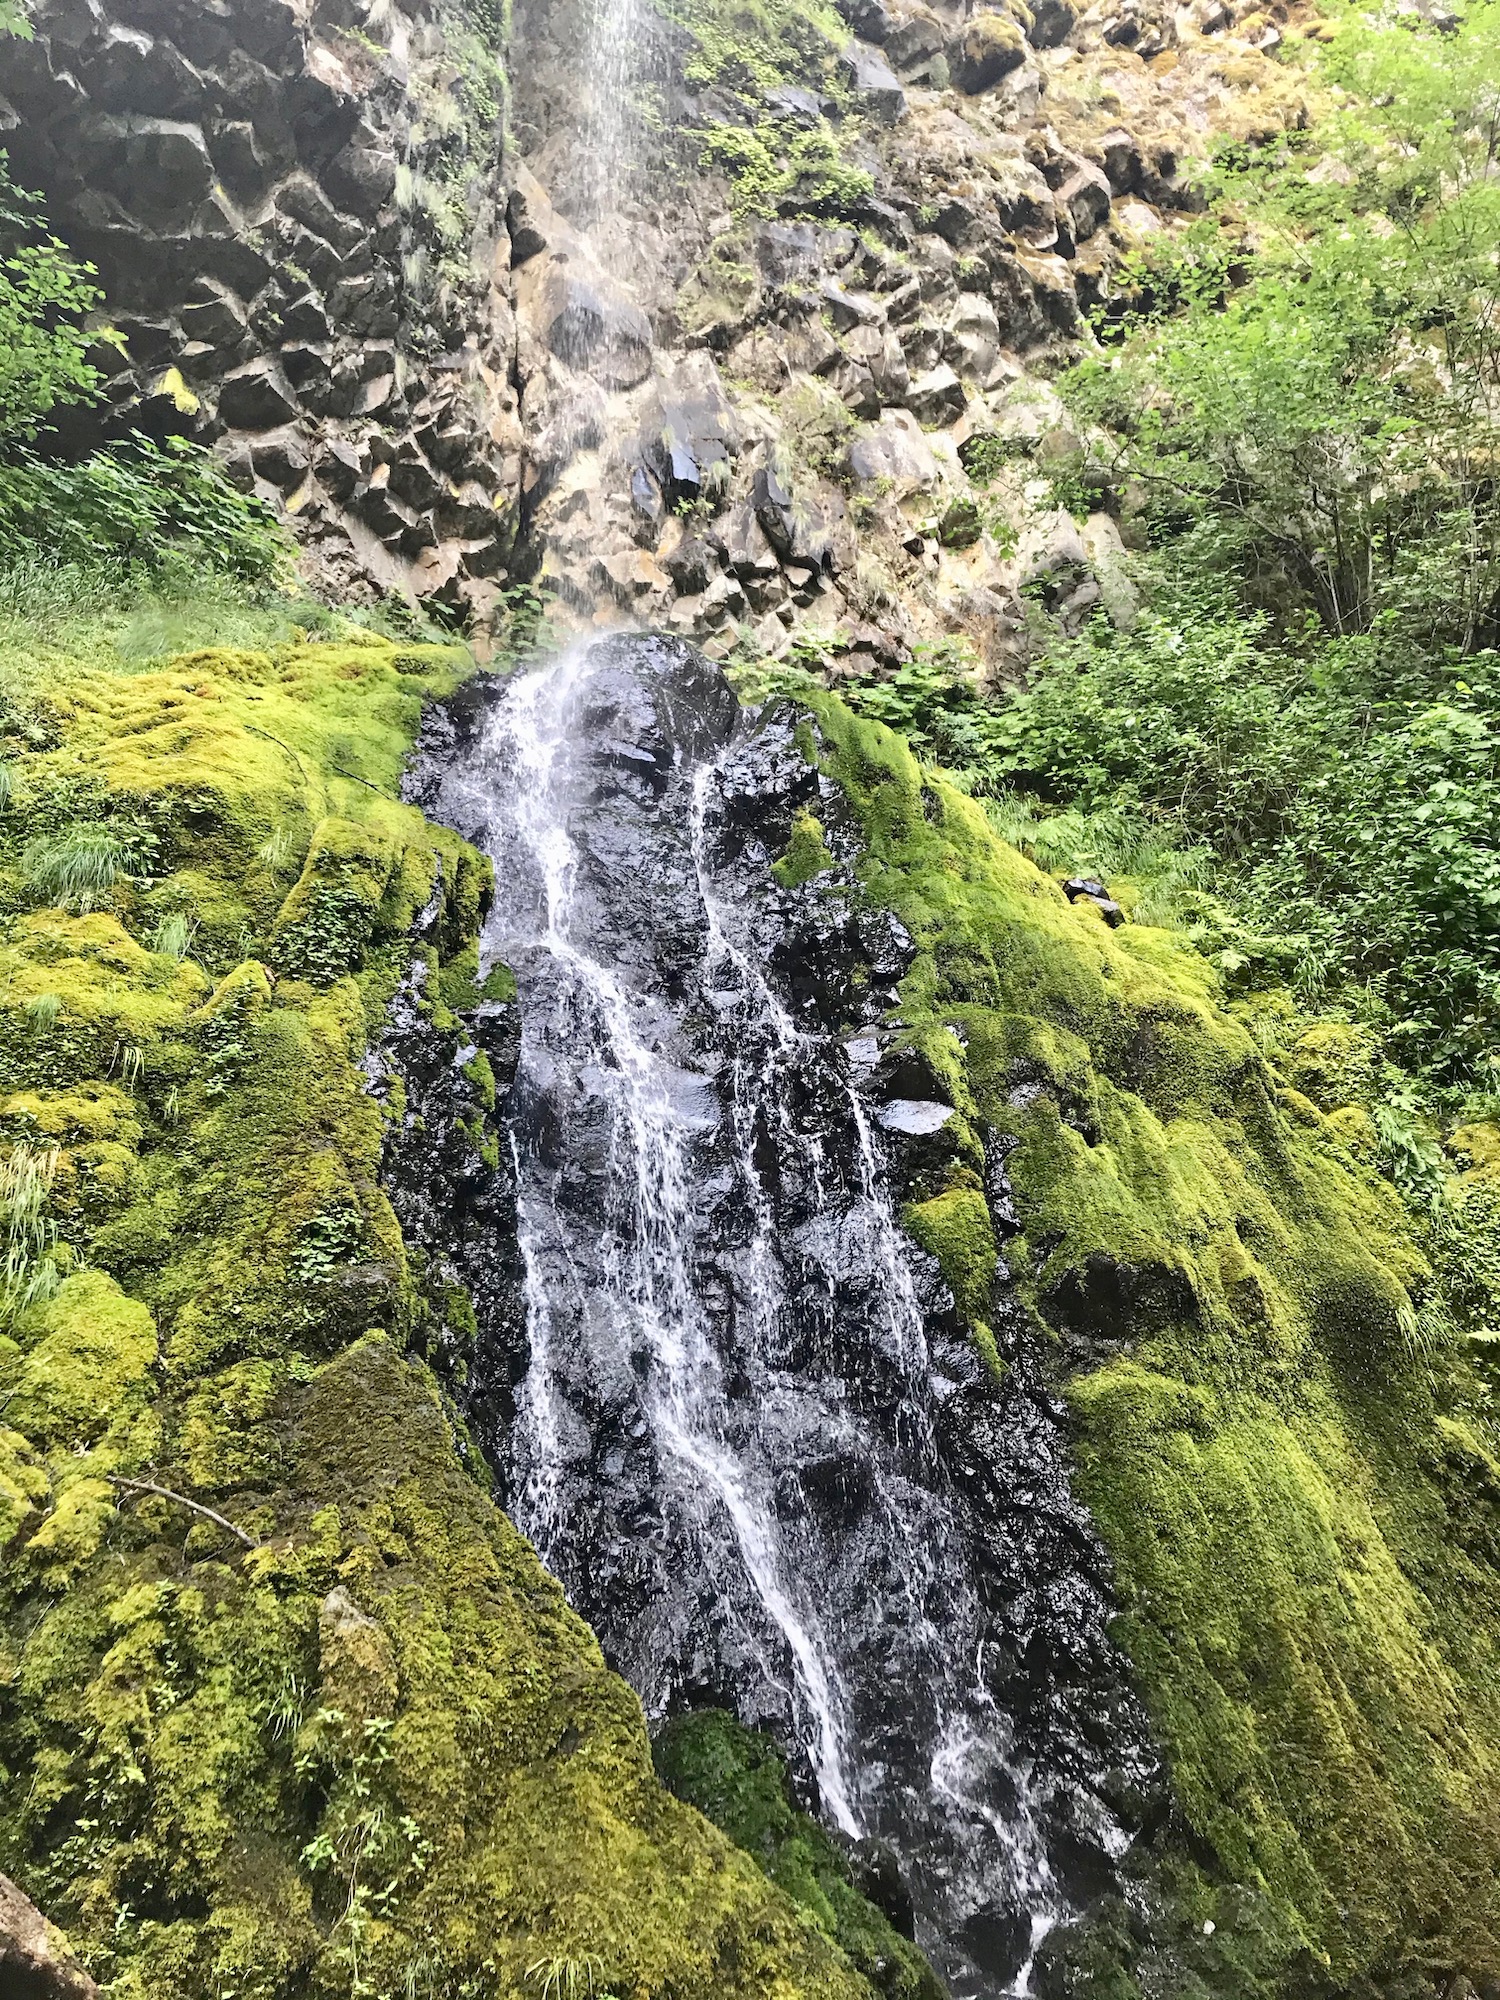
{"points": [[728, 1441]]}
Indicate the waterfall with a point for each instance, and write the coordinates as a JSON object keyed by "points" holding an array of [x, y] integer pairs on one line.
{"points": [[728, 1436]]}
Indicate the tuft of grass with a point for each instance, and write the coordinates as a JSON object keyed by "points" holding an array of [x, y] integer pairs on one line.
{"points": [[28, 1273], [42, 1009], [174, 935], [76, 869]]}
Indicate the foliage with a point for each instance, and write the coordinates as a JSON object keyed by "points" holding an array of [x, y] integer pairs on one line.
{"points": [[1338, 409], [936, 703], [751, 46], [139, 502], [779, 168], [45, 296]]}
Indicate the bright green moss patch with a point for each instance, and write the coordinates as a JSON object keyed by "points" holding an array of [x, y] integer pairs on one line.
{"points": [[373, 1755], [84, 1354], [736, 1777], [807, 853], [1286, 1453]]}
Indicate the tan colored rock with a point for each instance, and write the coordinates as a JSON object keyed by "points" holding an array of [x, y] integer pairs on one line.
{"points": [[34, 1959]]}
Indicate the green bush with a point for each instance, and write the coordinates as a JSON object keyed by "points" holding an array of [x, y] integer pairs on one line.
{"points": [[138, 502], [45, 295]]}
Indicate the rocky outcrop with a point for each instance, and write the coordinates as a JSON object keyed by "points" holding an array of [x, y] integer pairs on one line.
{"points": [[450, 367], [297, 214], [874, 338], [33, 1963]]}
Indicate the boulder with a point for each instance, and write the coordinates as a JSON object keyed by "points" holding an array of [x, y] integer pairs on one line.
{"points": [[773, 509], [848, 309], [990, 47], [362, 180], [1084, 198], [162, 165], [936, 397], [256, 397], [1121, 158], [280, 458], [1052, 21], [893, 455], [874, 83], [588, 325], [975, 337], [34, 1961], [1086, 889], [911, 46]]}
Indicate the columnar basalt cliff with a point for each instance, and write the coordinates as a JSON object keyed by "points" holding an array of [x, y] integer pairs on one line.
{"points": [[298, 215]]}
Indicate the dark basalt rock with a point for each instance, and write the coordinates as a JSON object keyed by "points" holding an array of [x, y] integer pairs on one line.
{"points": [[914, 1512], [233, 181]]}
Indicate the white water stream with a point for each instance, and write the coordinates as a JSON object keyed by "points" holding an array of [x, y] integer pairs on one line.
{"points": [[656, 1341]]}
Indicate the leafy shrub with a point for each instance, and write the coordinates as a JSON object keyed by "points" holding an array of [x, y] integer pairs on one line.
{"points": [[138, 502], [44, 296]]}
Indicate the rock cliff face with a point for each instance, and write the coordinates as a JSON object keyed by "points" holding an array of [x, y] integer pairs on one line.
{"points": [[297, 213], [758, 408]]}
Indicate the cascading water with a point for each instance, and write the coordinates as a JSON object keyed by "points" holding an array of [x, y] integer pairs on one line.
{"points": [[729, 1441]]}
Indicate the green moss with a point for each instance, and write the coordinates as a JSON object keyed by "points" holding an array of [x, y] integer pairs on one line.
{"points": [[736, 1777], [1284, 1470], [375, 1755], [807, 853], [85, 1355]]}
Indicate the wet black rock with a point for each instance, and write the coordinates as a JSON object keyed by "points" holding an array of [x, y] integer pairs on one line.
{"points": [[741, 1417]]}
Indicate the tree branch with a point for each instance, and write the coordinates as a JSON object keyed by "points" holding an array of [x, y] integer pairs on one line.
{"points": [[166, 1493]]}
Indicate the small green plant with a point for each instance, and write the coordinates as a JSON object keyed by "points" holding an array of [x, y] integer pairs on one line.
{"points": [[29, 1273], [45, 296], [566, 1977], [41, 1010], [173, 936], [277, 852], [78, 869], [330, 1240]]}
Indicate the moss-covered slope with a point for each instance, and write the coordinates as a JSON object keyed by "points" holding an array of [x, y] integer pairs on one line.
{"points": [[354, 1741], [1293, 1469]]}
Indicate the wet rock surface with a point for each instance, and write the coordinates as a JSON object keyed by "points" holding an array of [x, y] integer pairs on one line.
{"points": [[751, 1432]]}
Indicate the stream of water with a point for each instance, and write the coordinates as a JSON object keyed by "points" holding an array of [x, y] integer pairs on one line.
{"points": [[726, 1440]]}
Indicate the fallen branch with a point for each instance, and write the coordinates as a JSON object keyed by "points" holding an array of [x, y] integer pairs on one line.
{"points": [[166, 1493]]}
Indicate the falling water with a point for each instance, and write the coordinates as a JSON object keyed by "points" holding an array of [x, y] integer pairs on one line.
{"points": [[608, 141], [727, 1440]]}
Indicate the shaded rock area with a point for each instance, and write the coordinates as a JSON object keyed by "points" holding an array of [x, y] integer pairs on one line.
{"points": [[308, 264], [34, 1965]]}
